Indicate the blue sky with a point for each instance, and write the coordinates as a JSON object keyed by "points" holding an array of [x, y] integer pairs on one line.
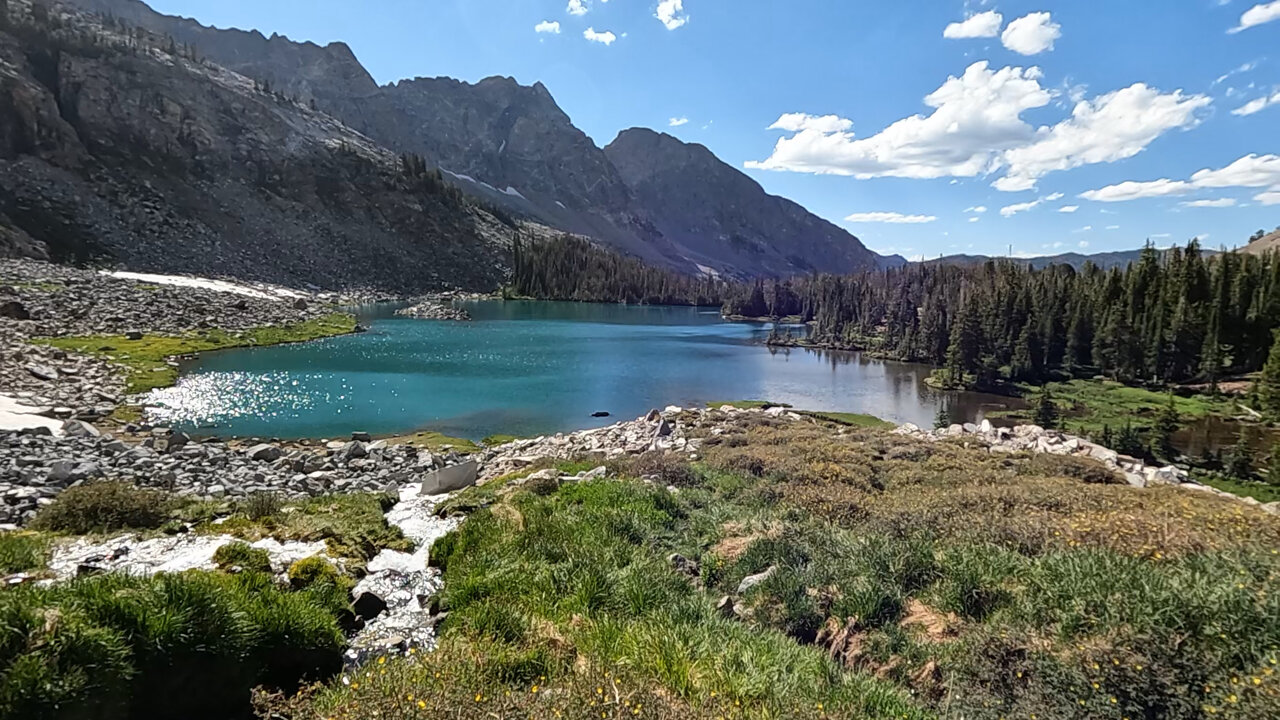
{"points": [[1155, 120]]}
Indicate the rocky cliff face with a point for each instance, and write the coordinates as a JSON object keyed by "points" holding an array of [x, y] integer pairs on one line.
{"points": [[119, 146], [720, 213]]}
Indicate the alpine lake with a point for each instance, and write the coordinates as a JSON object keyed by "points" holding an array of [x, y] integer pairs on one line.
{"points": [[529, 368]]}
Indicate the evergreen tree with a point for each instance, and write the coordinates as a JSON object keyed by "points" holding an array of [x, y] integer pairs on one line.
{"points": [[1240, 458], [1167, 423], [1273, 468], [942, 419], [1046, 415], [1269, 383], [1129, 441], [962, 352]]}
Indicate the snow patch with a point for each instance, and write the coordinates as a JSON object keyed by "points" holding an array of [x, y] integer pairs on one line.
{"points": [[16, 416], [262, 291], [561, 204], [512, 191]]}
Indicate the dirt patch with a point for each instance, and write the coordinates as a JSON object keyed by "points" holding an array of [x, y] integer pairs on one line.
{"points": [[936, 626]]}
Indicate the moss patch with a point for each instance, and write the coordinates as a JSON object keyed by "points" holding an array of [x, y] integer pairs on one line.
{"points": [[146, 360], [850, 419], [353, 526], [435, 442]]}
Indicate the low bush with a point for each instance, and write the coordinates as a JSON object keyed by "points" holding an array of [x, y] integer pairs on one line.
{"points": [[243, 556], [104, 507], [353, 526], [313, 570], [262, 505], [192, 645]]}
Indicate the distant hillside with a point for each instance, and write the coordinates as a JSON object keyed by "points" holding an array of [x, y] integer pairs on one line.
{"points": [[1105, 260], [1266, 243]]}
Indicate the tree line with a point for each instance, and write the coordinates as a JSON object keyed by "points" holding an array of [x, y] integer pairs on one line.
{"points": [[1168, 317]]}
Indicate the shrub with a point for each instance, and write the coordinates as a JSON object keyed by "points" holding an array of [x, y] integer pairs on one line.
{"points": [[309, 571], [116, 647], [104, 507], [1083, 469], [261, 505], [243, 556], [22, 552]]}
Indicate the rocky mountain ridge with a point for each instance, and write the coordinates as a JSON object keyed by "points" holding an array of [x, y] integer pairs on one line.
{"points": [[122, 146], [513, 146]]}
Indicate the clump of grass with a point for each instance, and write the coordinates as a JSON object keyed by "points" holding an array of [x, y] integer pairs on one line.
{"points": [[262, 505], [748, 404], [22, 552], [146, 360], [104, 507], [243, 556], [496, 440], [192, 645], [312, 571]]}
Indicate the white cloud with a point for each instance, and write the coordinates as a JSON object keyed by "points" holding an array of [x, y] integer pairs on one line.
{"points": [[677, 122], [1031, 34], [1246, 67], [799, 122], [1271, 197], [974, 219], [605, 38], [976, 128], [671, 14], [890, 217], [977, 209], [975, 117], [1113, 227], [1131, 190], [1011, 210], [1084, 229], [1249, 171], [1112, 127], [1257, 15], [1084, 244], [547, 26], [576, 7], [1258, 105], [1068, 208], [1218, 203], [983, 25]]}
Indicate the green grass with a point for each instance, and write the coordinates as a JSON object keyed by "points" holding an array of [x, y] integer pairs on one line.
{"points": [[1258, 491], [1089, 405], [496, 440], [850, 419], [146, 360], [748, 404], [23, 552], [193, 645], [435, 442], [48, 287]]}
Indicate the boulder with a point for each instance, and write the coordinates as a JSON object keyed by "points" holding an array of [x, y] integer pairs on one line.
{"points": [[368, 606], [14, 310], [301, 304], [354, 450], [43, 372], [751, 581], [78, 428], [264, 452], [450, 478], [363, 437]]}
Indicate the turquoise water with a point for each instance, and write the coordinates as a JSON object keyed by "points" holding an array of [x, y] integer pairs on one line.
{"points": [[528, 368]]}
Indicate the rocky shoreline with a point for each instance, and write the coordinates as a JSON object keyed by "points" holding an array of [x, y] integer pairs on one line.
{"points": [[42, 300]]}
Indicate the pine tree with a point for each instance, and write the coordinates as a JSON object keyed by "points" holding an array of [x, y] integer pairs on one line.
{"points": [[962, 353], [942, 419], [1046, 415], [1167, 423], [1240, 458], [1129, 441], [1269, 383], [1273, 469]]}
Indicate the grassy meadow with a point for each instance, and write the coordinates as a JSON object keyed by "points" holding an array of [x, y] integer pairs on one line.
{"points": [[888, 579]]}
